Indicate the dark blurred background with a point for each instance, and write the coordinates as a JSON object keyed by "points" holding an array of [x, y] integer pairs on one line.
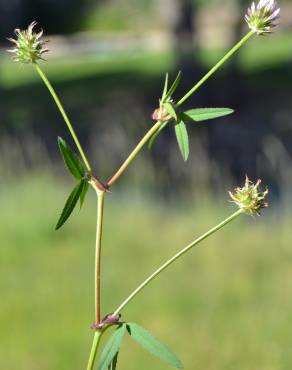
{"points": [[107, 60]]}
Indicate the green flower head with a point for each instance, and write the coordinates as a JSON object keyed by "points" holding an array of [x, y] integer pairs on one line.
{"points": [[28, 45], [249, 198]]}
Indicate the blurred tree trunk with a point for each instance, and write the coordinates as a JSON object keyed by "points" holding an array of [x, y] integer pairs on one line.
{"points": [[180, 18], [237, 90]]}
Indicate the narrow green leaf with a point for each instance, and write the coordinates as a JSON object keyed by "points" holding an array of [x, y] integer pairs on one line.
{"points": [[182, 139], [71, 160], [165, 87], [154, 136], [173, 86], [170, 109], [113, 364], [70, 204], [152, 345], [83, 192], [203, 114], [111, 348]]}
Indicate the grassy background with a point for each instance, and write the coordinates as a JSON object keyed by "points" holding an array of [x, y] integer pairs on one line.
{"points": [[252, 58], [227, 305]]}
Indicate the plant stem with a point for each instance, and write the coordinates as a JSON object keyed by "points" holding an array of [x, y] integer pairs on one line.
{"points": [[94, 348], [174, 258], [100, 208], [63, 113], [216, 67], [134, 153]]}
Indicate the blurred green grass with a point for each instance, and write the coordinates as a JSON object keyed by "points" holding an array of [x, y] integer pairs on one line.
{"points": [[254, 56], [227, 305]]}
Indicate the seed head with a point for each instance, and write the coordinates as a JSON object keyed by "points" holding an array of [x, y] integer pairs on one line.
{"points": [[28, 45], [249, 198], [261, 17]]}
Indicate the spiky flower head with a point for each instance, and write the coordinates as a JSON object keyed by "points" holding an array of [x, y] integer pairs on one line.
{"points": [[28, 45], [250, 199], [261, 17]]}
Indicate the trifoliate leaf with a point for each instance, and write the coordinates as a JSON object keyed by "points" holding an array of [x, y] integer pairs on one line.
{"points": [[203, 114], [111, 348], [71, 160], [182, 139], [152, 345], [154, 136], [70, 204], [170, 110]]}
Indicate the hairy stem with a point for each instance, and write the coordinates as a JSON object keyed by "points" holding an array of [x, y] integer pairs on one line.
{"points": [[94, 348], [216, 67], [134, 153], [63, 113], [174, 258], [100, 208]]}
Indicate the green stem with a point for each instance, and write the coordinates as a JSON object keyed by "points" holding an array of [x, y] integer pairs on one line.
{"points": [[174, 258], [216, 67], [100, 208], [94, 348], [134, 153], [63, 113]]}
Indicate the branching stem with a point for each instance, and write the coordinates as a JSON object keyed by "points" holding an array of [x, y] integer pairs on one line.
{"points": [[157, 272], [134, 153]]}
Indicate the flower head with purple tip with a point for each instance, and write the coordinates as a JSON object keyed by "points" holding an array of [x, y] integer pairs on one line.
{"points": [[261, 17]]}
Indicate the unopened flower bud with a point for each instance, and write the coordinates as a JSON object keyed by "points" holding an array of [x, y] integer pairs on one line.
{"points": [[29, 47], [161, 114], [261, 17], [249, 198]]}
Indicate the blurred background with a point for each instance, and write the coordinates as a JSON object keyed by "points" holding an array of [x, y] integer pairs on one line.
{"points": [[228, 304]]}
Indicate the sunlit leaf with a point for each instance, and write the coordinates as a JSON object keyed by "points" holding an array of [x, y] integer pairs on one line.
{"points": [[71, 160], [182, 139], [111, 348], [83, 193], [170, 109], [165, 87], [153, 345], [173, 86], [203, 114], [113, 364], [70, 204]]}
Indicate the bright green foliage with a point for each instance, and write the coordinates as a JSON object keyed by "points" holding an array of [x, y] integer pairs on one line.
{"points": [[152, 345], [83, 193], [108, 358], [170, 109], [204, 114], [71, 160], [71, 203], [165, 87], [182, 139], [172, 89], [113, 364]]}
